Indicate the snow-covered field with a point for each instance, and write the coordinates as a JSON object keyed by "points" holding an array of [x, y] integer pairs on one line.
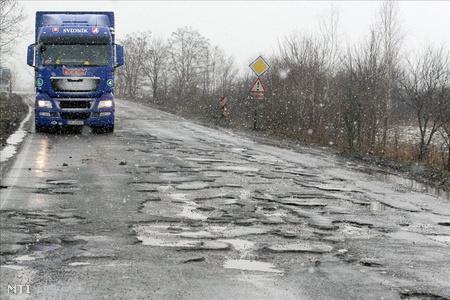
{"points": [[411, 135]]}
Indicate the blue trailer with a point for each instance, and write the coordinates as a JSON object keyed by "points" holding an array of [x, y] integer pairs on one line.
{"points": [[74, 57]]}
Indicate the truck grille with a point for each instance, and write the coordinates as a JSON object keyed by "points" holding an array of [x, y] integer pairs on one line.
{"points": [[75, 84], [75, 115], [79, 104]]}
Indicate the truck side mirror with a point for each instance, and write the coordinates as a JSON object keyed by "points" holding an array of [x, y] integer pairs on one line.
{"points": [[30, 55], [119, 56]]}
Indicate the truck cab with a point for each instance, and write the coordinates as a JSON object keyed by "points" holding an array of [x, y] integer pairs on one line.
{"points": [[74, 57]]}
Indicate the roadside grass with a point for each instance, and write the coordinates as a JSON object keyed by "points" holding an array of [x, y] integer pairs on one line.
{"points": [[400, 156], [12, 111]]}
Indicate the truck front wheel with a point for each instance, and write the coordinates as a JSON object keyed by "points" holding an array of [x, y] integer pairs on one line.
{"points": [[39, 129], [104, 129], [109, 129]]}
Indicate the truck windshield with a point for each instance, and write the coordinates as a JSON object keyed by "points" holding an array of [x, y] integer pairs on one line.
{"points": [[75, 55]]}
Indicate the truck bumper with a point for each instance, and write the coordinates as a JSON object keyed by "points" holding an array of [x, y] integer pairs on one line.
{"points": [[47, 118]]}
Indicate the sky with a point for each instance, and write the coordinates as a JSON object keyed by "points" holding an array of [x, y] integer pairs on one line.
{"points": [[246, 29]]}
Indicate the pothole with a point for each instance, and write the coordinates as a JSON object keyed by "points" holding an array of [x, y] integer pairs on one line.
{"points": [[420, 296], [376, 206], [44, 247], [25, 258], [210, 238], [237, 169], [243, 246], [66, 182], [306, 247], [195, 185], [322, 222], [370, 262], [251, 265], [55, 191], [79, 263], [189, 212]]}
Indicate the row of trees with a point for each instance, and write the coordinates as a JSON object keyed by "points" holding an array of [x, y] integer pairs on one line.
{"points": [[354, 98], [357, 96], [184, 71]]}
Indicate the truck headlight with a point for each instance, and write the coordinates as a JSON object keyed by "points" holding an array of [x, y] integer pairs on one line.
{"points": [[105, 104], [44, 103]]}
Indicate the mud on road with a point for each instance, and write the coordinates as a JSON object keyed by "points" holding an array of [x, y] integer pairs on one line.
{"points": [[165, 208]]}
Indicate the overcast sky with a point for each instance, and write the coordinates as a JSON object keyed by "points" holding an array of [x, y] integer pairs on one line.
{"points": [[245, 29]]}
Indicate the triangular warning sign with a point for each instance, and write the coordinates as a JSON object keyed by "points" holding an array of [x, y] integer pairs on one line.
{"points": [[257, 86]]}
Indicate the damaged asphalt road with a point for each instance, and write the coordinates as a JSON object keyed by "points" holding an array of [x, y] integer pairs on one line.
{"points": [[165, 208]]}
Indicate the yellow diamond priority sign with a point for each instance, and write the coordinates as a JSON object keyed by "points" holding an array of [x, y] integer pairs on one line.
{"points": [[259, 66]]}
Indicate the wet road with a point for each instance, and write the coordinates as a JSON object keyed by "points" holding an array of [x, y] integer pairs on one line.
{"points": [[166, 208]]}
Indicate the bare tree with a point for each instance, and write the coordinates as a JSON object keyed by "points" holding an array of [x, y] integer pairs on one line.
{"points": [[135, 45], [425, 83], [227, 73], [389, 27], [369, 73], [154, 64], [188, 52], [306, 59], [445, 128], [221, 72], [329, 31], [11, 17]]}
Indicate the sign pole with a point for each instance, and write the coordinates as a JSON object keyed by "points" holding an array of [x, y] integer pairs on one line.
{"points": [[259, 66], [255, 114]]}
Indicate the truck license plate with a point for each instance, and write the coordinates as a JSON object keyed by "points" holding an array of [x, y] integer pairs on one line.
{"points": [[75, 122]]}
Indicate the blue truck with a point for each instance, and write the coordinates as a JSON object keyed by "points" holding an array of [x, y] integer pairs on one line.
{"points": [[74, 57]]}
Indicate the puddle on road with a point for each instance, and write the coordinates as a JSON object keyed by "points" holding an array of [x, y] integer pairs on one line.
{"points": [[413, 185], [305, 247], [189, 207], [190, 213], [204, 160], [236, 149], [78, 263], [377, 206], [237, 169], [173, 242], [13, 267], [64, 182], [162, 236], [240, 245], [250, 265], [44, 247], [213, 237], [25, 258], [178, 197]]}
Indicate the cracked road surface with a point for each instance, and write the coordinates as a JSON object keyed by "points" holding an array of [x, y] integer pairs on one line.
{"points": [[166, 208]]}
